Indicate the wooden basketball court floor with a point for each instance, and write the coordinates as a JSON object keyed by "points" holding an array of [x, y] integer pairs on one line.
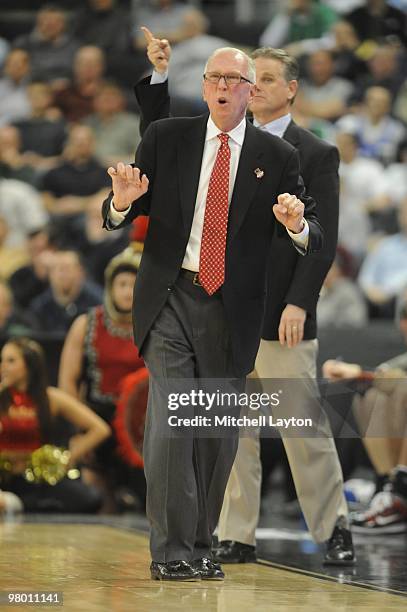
{"points": [[102, 568]]}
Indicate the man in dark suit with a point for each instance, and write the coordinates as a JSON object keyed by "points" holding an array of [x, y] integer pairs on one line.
{"points": [[207, 185], [289, 346]]}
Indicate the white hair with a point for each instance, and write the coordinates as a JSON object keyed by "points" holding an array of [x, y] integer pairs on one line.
{"points": [[251, 70]]}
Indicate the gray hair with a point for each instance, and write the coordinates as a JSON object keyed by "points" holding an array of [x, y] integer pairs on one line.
{"points": [[291, 67], [251, 70]]}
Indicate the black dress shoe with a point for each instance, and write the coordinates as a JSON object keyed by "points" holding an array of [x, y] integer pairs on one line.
{"points": [[173, 570], [340, 549], [208, 569], [229, 551]]}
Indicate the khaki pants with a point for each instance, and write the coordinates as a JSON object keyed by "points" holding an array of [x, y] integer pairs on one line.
{"points": [[314, 462]]}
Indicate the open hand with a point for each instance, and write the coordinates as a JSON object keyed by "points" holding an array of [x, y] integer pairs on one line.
{"points": [[290, 212], [291, 328], [158, 51], [127, 185]]}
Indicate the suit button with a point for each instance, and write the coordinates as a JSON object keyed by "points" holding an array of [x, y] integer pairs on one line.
{"points": [[169, 288]]}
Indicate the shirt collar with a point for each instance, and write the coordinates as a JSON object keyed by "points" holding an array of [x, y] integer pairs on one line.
{"points": [[276, 127], [237, 134]]}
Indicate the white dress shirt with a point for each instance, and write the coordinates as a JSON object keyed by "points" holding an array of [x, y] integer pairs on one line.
{"points": [[158, 77], [211, 146]]}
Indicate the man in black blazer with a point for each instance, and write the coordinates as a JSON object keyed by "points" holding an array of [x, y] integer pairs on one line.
{"points": [[289, 346], [183, 330]]}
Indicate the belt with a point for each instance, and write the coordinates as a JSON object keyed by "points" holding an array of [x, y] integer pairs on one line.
{"points": [[191, 276]]}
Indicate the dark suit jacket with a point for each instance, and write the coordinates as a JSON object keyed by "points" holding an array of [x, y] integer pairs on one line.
{"points": [[299, 281], [170, 154]]}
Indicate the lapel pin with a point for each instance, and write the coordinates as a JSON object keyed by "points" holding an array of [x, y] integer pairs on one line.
{"points": [[259, 173]]}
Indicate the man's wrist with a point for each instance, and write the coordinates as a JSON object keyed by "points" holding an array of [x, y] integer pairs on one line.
{"points": [[301, 227], [116, 217], [120, 210], [158, 77], [300, 239]]}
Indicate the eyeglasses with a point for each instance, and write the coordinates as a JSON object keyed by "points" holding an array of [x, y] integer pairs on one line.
{"points": [[230, 79]]}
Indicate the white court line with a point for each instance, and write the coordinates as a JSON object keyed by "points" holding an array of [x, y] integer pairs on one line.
{"points": [[266, 533]]}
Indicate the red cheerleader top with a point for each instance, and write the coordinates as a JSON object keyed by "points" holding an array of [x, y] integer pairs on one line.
{"points": [[110, 355], [20, 426]]}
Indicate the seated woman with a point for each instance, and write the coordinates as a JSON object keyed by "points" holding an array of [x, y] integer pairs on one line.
{"points": [[28, 410], [98, 353]]}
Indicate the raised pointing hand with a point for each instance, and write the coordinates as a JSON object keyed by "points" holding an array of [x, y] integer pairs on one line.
{"points": [[158, 50]]}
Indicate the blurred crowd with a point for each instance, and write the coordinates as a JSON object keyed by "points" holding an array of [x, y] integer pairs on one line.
{"points": [[67, 112]]}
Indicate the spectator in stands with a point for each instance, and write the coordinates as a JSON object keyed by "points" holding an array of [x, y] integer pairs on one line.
{"points": [[389, 455], [50, 46], [14, 102], [400, 104], [13, 321], [43, 133], [320, 127], [68, 296], [4, 49], [384, 71], [361, 181], [98, 23], [78, 175], [383, 274], [377, 20], [345, 49], [75, 100], [116, 131], [379, 135], [23, 209], [96, 246], [391, 191], [341, 303], [298, 21], [165, 18], [11, 258], [323, 94], [28, 411], [32, 279], [342, 7], [381, 414], [99, 353], [13, 164], [395, 179], [188, 61]]}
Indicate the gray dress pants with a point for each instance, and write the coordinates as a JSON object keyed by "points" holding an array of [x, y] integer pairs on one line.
{"points": [[186, 470]]}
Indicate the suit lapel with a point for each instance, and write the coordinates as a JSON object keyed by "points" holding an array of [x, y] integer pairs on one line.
{"points": [[291, 134], [246, 182], [189, 158]]}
